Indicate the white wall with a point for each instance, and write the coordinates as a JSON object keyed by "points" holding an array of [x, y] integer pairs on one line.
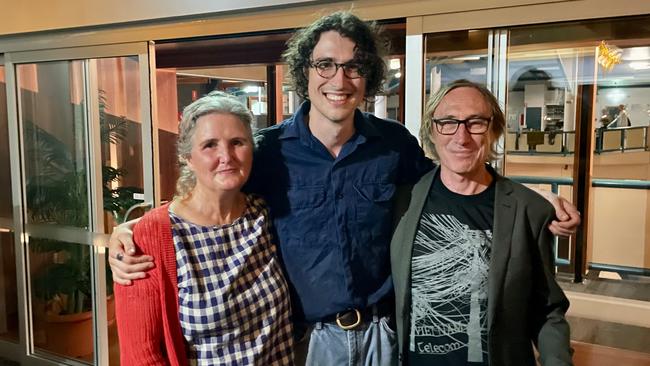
{"points": [[636, 101]]}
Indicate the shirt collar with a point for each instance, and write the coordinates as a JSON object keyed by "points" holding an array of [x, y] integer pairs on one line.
{"points": [[296, 127]]}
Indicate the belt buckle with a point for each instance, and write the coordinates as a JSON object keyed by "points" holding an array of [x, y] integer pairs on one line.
{"points": [[349, 326]]}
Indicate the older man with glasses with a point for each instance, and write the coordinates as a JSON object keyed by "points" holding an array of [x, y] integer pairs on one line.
{"points": [[472, 256]]}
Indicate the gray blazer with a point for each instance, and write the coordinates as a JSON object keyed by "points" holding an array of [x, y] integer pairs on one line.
{"points": [[525, 303]]}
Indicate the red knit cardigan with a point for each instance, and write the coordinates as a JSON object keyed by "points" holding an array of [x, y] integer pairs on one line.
{"points": [[147, 311]]}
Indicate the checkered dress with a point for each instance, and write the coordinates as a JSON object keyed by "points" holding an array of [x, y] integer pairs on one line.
{"points": [[233, 299]]}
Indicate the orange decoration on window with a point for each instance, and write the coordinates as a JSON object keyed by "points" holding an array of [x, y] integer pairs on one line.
{"points": [[608, 56]]}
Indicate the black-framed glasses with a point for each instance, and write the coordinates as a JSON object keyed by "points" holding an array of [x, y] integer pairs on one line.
{"points": [[328, 68], [473, 125]]}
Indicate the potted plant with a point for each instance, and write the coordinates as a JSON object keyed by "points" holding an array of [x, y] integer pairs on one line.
{"points": [[56, 193]]}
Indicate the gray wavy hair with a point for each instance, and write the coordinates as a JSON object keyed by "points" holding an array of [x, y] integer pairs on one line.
{"points": [[214, 102], [496, 129]]}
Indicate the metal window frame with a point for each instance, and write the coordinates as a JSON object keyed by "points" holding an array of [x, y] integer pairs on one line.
{"points": [[24, 351]]}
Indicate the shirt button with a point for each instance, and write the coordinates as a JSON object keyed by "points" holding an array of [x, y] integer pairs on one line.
{"points": [[339, 196]]}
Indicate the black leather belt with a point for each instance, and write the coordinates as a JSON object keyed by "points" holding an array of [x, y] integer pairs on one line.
{"points": [[352, 318]]}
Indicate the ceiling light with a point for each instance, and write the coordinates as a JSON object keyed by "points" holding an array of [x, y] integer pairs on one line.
{"points": [[548, 68], [640, 65], [467, 58], [251, 89], [636, 54], [478, 71]]}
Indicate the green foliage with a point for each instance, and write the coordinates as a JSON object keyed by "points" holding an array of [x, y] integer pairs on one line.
{"points": [[67, 280], [117, 200], [56, 193]]}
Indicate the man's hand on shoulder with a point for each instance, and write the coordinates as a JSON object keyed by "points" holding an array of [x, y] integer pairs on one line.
{"points": [[567, 215], [126, 264]]}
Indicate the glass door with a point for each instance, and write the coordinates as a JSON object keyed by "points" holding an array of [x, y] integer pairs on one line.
{"points": [[577, 112], [83, 121], [577, 116]]}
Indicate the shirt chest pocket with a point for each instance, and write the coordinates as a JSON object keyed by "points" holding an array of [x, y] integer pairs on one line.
{"points": [[375, 192], [307, 223], [306, 197], [374, 203]]}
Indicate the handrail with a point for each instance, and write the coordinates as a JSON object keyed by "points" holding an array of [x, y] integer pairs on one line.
{"points": [[620, 183], [527, 179], [595, 182], [565, 149]]}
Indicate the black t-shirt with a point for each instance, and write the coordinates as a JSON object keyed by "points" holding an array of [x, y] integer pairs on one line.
{"points": [[450, 262]]}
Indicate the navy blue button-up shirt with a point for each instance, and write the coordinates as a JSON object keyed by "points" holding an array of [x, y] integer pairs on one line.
{"points": [[333, 215]]}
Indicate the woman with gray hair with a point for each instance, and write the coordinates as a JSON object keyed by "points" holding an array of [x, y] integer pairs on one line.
{"points": [[217, 295]]}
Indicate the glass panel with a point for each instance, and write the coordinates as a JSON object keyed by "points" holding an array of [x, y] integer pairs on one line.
{"points": [[8, 287], [177, 88], [61, 298], [121, 136], [169, 114], [390, 103], [620, 227], [549, 67], [118, 86], [543, 83], [455, 55], [52, 112], [609, 229]]}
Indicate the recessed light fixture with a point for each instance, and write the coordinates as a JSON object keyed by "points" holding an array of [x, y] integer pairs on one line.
{"points": [[467, 58], [548, 68], [636, 54], [640, 65], [478, 71], [251, 89]]}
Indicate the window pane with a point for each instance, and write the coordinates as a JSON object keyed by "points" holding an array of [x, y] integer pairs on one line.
{"points": [[52, 111], [61, 298], [53, 116], [121, 136], [551, 70], [455, 55], [118, 99]]}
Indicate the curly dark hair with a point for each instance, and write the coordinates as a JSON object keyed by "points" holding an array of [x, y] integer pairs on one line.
{"points": [[371, 46]]}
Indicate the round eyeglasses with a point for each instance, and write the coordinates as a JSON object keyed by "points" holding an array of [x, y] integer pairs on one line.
{"points": [[473, 125], [327, 69]]}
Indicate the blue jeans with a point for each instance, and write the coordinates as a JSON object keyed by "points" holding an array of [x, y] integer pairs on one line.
{"points": [[372, 343]]}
